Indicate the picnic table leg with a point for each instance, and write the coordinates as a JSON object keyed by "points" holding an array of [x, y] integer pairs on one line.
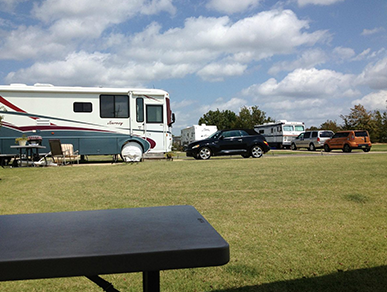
{"points": [[151, 281], [105, 285]]}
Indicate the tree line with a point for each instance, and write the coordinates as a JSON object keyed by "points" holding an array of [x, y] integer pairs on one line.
{"points": [[375, 122], [247, 118]]}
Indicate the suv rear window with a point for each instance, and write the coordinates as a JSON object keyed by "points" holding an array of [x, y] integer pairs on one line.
{"points": [[361, 134], [341, 135], [326, 134]]}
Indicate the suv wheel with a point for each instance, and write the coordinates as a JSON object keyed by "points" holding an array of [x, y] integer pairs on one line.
{"points": [[293, 146], [367, 149], [347, 148], [256, 151], [326, 148], [312, 147], [205, 153]]}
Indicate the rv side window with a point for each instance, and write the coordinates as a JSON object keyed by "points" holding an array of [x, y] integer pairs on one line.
{"points": [[82, 107], [288, 128], [139, 109], [261, 131], [114, 106], [154, 114]]}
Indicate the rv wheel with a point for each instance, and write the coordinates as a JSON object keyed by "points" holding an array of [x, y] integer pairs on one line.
{"points": [[131, 152]]}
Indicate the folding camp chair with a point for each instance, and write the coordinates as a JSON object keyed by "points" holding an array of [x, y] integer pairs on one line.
{"points": [[57, 154], [68, 151]]}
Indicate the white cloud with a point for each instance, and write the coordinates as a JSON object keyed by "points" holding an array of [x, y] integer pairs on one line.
{"points": [[234, 104], [375, 30], [8, 5], [232, 6], [208, 39], [375, 75], [373, 101], [307, 60], [29, 43], [106, 11], [302, 3], [306, 83], [343, 53], [67, 25], [214, 48], [217, 71]]}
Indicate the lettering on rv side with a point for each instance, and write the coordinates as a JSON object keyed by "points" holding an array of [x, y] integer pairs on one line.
{"points": [[111, 123]]}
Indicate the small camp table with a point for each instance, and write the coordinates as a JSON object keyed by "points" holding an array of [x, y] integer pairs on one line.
{"points": [[31, 151], [91, 243]]}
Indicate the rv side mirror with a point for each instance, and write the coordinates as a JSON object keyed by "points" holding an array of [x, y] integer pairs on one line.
{"points": [[173, 120]]}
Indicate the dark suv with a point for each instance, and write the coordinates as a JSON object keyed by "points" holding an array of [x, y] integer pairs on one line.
{"points": [[244, 142], [348, 140]]}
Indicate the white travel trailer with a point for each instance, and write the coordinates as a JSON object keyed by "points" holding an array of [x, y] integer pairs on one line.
{"points": [[196, 132], [97, 121], [280, 134]]}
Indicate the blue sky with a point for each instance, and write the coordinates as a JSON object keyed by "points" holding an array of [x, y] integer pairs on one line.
{"points": [[299, 60]]}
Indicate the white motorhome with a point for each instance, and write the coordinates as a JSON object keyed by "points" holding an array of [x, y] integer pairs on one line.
{"points": [[280, 134], [196, 132], [97, 121]]}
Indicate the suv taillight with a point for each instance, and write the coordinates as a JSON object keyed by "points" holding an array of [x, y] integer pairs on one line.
{"points": [[318, 139]]}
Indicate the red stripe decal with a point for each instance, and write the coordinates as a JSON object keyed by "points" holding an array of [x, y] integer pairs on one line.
{"points": [[14, 107]]}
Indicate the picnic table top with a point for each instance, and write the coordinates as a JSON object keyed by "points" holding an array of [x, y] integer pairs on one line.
{"points": [[66, 244]]}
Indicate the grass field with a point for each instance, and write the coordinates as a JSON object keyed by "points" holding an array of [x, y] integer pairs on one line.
{"points": [[294, 223]]}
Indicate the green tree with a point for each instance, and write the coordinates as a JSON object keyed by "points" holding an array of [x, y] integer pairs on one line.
{"points": [[222, 119], [330, 125], [360, 119], [380, 122], [248, 117]]}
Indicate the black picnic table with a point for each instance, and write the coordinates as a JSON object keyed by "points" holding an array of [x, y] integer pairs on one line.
{"points": [[92, 243], [31, 152]]}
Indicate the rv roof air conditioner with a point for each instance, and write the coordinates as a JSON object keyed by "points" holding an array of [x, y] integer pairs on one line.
{"points": [[43, 85]]}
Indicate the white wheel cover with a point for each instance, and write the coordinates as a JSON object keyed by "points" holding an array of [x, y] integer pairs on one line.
{"points": [[131, 152]]}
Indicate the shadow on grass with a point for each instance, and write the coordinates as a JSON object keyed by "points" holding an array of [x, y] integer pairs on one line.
{"points": [[364, 280]]}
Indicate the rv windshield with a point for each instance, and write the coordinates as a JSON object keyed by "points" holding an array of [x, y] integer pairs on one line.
{"points": [[297, 128]]}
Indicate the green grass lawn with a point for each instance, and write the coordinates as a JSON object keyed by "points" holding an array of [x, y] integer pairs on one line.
{"points": [[294, 223]]}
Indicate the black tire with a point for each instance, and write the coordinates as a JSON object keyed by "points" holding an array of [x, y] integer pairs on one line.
{"points": [[347, 148], [256, 151], [367, 149], [312, 147], [326, 148], [293, 146], [204, 153]]}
